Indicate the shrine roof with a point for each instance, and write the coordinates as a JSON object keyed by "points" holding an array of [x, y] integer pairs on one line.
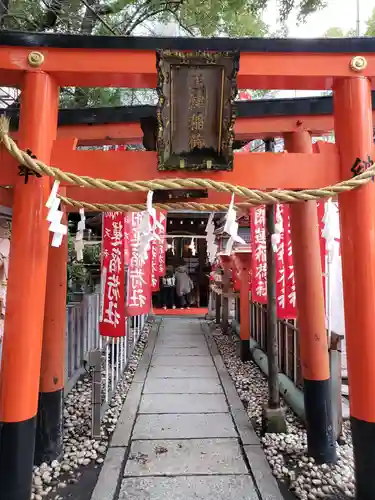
{"points": [[276, 45]]}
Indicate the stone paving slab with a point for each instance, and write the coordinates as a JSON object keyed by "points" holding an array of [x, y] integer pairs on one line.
{"points": [[203, 372], [181, 342], [189, 488], [166, 338], [185, 457], [166, 350], [184, 426], [181, 333], [172, 424], [183, 403], [182, 386], [181, 361]]}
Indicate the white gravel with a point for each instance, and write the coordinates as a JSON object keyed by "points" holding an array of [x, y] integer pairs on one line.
{"points": [[79, 448], [287, 453]]}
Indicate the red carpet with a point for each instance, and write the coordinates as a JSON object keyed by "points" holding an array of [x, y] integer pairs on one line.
{"points": [[193, 311]]}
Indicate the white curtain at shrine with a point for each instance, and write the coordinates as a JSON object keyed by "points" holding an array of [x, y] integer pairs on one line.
{"points": [[333, 277]]}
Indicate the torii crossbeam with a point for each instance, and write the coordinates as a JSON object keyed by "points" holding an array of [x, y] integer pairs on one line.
{"points": [[34, 323]]}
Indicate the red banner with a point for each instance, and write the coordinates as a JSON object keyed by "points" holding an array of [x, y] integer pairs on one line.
{"points": [[112, 311], [127, 221], [259, 254], [285, 286], [281, 214], [158, 251], [154, 275], [289, 310], [139, 273], [160, 271]]}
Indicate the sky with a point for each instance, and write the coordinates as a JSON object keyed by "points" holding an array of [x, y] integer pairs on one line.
{"points": [[340, 13]]}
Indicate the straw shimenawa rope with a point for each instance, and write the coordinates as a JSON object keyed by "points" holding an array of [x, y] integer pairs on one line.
{"points": [[253, 197], [116, 207]]}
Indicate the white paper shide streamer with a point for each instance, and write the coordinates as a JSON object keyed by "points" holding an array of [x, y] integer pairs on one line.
{"points": [[329, 235], [192, 247], [147, 227], [78, 244], [55, 216], [328, 232], [210, 239], [276, 237], [231, 228]]}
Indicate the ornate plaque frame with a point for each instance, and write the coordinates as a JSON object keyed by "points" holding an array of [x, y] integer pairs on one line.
{"points": [[177, 147]]}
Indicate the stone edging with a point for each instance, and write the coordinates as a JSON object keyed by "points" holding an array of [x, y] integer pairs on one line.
{"points": [[262, 476], [109, 480]]}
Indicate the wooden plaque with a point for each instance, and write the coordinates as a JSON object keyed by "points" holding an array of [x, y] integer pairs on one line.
{"points": [[171, 195], [195, 111]]}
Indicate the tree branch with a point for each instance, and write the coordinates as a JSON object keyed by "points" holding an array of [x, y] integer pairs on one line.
{"points": [[152, 13], [50, 18], [180, 23], [94, 13], [114, 7]]}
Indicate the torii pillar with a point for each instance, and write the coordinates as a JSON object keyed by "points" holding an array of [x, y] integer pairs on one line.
{"points": [[49, 432], [20, 370], [354, 140], [311, 318], [226, 263], [243, 260]]}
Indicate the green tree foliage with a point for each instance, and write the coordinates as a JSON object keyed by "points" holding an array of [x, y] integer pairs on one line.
{"points": [[126, 17], [370, 25], [336, 32], [122, 17], [80, 275]]}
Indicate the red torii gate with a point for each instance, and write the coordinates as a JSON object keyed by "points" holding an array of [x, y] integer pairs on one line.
{"points": [[130, 62]]}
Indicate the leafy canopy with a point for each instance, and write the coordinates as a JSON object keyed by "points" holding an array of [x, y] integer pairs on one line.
{"points": [[147, 17], [123, 17]]}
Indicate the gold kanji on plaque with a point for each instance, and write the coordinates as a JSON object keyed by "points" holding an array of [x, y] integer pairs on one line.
{"points": [[198, 79], [197, 101], [196, 122], [196, 141]]}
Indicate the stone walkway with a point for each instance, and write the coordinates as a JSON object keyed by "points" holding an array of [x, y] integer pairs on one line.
{"points": [[183, 433]]}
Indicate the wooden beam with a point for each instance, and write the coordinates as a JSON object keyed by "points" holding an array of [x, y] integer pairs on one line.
{"points": [[254, 170], [118, 67], [246, 129]]}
